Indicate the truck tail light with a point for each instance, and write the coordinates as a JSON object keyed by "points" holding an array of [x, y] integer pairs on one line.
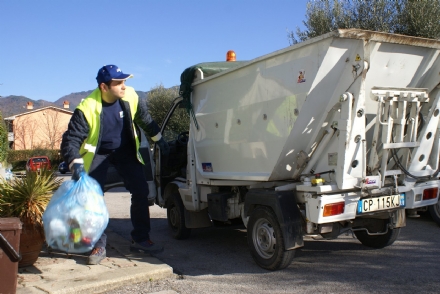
{"points": [[334, 208], [430, 193]]}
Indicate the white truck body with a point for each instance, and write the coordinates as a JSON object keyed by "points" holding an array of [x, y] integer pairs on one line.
{"points": [[348, 122]]}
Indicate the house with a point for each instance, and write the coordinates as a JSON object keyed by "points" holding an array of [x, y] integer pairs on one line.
{"points": [[39, 128]]}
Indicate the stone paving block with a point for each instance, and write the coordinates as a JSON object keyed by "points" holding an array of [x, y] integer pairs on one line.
{"points": [[23, 279]]}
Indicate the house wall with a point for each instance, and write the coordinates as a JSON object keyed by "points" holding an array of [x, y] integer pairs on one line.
{"points": [[40, 129]]}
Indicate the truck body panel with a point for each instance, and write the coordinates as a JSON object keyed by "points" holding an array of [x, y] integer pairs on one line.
{"points": [[258, 117]]}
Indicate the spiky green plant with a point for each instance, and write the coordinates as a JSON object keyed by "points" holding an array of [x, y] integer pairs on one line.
{"points": [[28, 196]]}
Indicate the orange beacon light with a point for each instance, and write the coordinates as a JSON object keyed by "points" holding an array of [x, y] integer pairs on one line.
{"points": [[230, 55]]}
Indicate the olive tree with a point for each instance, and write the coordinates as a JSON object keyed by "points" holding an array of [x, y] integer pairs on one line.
{"points": [[159, 102], [407, 17], [419, 18]]}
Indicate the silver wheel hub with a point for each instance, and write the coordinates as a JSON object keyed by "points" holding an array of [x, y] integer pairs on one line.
{"points": [[264, 239], [174, 216]]}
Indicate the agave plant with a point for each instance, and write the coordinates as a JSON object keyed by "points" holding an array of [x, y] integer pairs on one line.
{"points": [[28, 196]]}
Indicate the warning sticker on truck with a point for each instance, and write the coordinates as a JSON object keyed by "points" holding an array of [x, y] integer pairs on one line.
{"points": [[333, 159], [207, 167], [301, 76]]}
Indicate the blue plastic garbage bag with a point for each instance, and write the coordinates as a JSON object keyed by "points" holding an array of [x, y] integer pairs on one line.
{"points": [[76, 216]]}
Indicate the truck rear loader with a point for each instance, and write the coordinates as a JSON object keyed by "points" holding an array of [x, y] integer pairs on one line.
{"points": [[337, 134]]}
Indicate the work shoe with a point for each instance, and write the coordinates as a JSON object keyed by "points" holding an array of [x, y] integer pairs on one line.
{"points": [[98, 254], [146, 247]]}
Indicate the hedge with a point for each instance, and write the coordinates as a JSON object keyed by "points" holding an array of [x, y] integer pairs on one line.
{"points": [[18, 158]]}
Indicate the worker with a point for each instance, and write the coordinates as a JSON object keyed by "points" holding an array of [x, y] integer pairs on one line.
{"points": [[103, 130]]}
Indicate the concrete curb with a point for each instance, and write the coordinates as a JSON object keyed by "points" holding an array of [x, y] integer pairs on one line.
{"points": [[61, 273]]}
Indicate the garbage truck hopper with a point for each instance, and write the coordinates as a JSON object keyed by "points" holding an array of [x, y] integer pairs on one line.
{"points": [[344, 102]]}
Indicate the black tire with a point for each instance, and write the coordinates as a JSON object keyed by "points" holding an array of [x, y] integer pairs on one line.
{"points": [[378, 241], [176, 217], [63, 172], [265, 240], [434, 210]]}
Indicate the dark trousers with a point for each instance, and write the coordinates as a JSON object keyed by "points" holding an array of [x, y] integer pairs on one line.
{"points": [[132, 172]]}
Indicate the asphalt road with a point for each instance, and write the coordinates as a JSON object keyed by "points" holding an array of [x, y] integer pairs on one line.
{"points": [[217, 260]]}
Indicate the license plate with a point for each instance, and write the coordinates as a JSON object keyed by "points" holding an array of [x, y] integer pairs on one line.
{"points": [[380, 203]]}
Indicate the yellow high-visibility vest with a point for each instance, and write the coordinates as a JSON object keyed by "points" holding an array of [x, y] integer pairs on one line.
{"points": [[92, 108]]}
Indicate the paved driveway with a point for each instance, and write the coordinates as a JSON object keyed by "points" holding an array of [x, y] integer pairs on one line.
{"points": [[217, 260]]}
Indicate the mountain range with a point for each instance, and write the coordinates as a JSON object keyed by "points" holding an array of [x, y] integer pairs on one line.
{"points": [[12, 105]]}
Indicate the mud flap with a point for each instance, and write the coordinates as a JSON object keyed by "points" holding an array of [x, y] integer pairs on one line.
{"points": [[399, 218], [283, 203], [197, 219]]}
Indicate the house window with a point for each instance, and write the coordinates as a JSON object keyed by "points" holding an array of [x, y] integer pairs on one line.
{"points": [[10, 125]]}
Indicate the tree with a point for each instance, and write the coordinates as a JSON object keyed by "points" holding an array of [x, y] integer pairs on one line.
{"points": [[24, 129], [159, 102], [407, 17], [419, 18], [52, 129], [4, 144]]}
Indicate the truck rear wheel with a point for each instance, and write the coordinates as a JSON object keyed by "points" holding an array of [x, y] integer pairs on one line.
{"points": [[378, 241], [176, 217], [434, 210], [265, 240]]}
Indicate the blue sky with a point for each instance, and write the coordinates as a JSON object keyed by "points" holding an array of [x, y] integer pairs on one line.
{"points": [[53, 48]]}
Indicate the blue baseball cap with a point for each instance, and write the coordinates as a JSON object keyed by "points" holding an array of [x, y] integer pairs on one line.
{"points": [[111, 73]]}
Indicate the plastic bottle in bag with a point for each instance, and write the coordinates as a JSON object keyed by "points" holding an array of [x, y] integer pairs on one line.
{"points": [[75, 231]]}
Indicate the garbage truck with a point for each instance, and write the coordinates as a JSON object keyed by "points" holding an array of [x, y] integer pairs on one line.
{"points": [[337, 134]]}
